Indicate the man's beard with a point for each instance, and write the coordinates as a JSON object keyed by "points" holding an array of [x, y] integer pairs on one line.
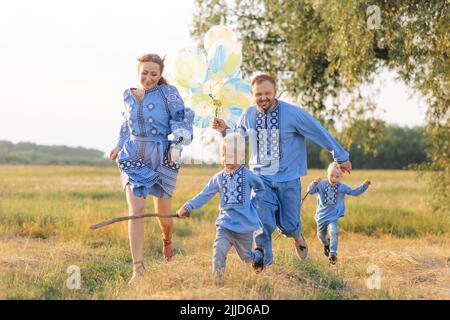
{"points": [[265, 104]]}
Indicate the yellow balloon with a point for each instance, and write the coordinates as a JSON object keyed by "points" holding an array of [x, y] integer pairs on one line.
{"points": [[224, 58], [201, 103], [214, 86], [232, 97], [240, 100], [218, 33], [189, 67]]}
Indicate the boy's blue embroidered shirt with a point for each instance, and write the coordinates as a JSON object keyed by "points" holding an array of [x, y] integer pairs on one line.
{"points": [[331, 199], [237, 212], [278, 149]]}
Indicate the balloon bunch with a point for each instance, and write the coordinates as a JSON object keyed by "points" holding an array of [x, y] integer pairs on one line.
{"points": [[212, 82]]}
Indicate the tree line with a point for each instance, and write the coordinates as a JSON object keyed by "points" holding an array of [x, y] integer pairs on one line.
{"points": [[398, 148]]}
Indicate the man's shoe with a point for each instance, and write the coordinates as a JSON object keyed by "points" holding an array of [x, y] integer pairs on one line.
{"points": [[301, 247]]}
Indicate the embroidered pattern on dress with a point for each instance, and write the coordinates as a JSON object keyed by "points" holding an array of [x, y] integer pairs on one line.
{"points": [[140, 118], [172, 165], [330, 193], [233, 188], [127, 164], [171, 97]]}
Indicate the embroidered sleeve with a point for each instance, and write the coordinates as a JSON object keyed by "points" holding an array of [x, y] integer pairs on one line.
{"points": [[256, 183], [183, 130], [181, 118], [354, 192], [309, 127], [313, 188], [204, 196], [124, 134]]}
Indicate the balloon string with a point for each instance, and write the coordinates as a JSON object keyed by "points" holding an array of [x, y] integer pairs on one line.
{"points": [[216, 103]]}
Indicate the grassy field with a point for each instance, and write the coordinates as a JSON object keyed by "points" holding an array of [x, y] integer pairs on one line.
{"points": [[45, 213]]}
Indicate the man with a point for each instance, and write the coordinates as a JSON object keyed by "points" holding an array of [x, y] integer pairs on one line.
{"points": [[277, 132]]}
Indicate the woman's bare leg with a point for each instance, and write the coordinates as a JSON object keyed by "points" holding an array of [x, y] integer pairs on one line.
{"points": [[136, 205], [165, 224]]}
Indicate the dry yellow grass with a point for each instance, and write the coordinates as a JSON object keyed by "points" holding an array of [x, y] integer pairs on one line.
{"points": [[44, 229], [410, 269]]}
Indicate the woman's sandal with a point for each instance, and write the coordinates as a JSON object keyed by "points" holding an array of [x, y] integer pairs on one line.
{"points": [[167, 249], [138, 271]]}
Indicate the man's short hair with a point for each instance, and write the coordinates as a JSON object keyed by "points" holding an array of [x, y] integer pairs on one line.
{"points": [[264, 77]]}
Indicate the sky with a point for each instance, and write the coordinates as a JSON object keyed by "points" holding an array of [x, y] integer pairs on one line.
{"points": [[65, 64]]}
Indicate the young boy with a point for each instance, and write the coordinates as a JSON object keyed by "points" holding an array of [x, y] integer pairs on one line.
{"points": [[331, 206], [238, 220]]}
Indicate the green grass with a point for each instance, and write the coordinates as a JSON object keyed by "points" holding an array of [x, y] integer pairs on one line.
{"points": [[394, 205]]}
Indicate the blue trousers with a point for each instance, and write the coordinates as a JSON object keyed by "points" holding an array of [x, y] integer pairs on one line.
{"points": [[330, 227], [278, 206], [242, 242]]}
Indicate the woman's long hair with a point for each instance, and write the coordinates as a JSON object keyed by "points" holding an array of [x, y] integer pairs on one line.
{"points": [[151, 57]]}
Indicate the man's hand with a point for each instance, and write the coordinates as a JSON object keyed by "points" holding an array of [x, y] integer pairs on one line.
{"points": [[219, 125], [346, 166], [183, 213], [367, 182]]}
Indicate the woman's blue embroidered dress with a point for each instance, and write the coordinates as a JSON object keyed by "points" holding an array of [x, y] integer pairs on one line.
{"points": [[143, 162]]}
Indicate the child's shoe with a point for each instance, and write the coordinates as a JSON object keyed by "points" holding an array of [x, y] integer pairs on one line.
{"points": [[333, 259], [326, 250], [259, 265]]}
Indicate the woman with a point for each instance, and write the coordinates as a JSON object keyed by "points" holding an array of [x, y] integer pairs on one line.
{"points": [[143, 152]]}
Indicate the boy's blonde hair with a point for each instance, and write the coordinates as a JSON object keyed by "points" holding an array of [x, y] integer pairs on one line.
{"points": [[334, 166], [233, 145]]}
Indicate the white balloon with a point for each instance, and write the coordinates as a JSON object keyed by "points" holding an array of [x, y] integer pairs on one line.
{"points": [[218, 33]]}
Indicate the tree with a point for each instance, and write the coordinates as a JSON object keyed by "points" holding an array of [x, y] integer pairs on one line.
{"points": [[323, 51]]}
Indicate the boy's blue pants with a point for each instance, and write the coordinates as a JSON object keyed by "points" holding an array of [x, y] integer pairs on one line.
{"points": [[242, 242], [322, 233]]}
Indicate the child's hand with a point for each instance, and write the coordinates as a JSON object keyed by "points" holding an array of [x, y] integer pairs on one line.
{"points": [[183, 213], [317, 180], [367, 182]]}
